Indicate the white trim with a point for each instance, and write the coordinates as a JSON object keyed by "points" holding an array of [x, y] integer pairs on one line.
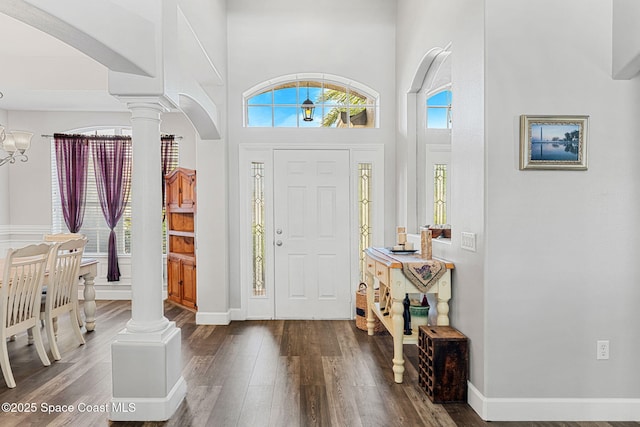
{"points": [[360, 87], [15, 236], [149, 408], [123, 293], [210, 318], [24, 229], [476, 400], [10, 234], [374, 156], [424, 66], [237, 314], [111, 294], [261, 307], [553, 409]]}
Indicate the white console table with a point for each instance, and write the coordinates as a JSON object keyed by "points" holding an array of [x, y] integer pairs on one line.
{"points": [[385, 270]]}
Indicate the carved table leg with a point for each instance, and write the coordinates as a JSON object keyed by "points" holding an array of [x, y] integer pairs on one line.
{"points": [[442, 297], [370, 301], [89, 302], [398, 330]]}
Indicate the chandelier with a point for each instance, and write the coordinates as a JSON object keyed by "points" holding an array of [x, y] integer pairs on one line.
{"points": [[14, 144]]}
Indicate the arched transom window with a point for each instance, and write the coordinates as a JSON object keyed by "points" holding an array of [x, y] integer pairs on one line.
{"points": [[311, 101]]}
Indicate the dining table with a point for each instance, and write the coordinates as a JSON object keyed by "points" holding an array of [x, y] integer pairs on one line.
{"points": [[88, 272]]}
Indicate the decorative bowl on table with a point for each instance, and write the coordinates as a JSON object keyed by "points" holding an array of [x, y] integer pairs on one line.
{"points": [[419, 315]]}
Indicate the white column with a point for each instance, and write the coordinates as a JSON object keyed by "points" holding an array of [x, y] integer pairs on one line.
{"points": [[146, 221], [146, 355]]}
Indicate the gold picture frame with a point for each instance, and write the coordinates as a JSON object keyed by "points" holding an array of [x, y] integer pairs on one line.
{"points": [[553, 142]]}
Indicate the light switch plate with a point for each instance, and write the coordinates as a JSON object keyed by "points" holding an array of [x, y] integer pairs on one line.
{"points": [[468, 241]]}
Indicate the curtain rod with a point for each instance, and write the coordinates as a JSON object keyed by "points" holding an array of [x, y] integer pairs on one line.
{"points": [[94, 136]]}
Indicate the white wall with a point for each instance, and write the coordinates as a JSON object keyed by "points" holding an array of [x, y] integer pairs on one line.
{"points": [[421, 26], [209, 21], [354, 39], [563, 246]]}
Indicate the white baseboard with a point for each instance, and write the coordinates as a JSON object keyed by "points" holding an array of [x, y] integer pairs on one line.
{"points": [[148, 409], [209, 318], [109, 293], [553, 409], [236, 314]]}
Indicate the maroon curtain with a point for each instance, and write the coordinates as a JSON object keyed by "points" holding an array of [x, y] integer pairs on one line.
{"points": [[112, 164], [169, 160], [72, 154]]}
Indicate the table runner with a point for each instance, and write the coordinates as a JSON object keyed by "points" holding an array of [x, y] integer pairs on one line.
{"points": [[425, 273]]}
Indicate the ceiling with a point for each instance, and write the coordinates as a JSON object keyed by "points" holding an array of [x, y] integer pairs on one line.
{"points": [[41, 73]]}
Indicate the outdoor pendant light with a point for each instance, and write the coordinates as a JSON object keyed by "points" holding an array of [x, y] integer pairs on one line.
{"points": [[307, 108]]}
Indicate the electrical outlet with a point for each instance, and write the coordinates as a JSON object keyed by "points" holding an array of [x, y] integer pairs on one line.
{"points": [[602, 352]]}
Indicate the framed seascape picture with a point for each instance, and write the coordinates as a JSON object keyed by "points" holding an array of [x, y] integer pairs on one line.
{"points": [[553, 142]]}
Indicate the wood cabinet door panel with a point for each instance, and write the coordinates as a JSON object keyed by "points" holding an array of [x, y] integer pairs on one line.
{"points": [[172, 192], [173, 279], [189, 283], [187, 188]]}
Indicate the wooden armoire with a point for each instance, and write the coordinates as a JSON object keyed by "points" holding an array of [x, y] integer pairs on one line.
{"points": [[180, 193]]}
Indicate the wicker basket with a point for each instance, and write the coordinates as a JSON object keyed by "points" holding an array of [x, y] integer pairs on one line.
{"points": [[361, 310]]}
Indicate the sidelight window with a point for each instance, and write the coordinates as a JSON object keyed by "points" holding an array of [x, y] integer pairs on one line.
{"points": [[364, 213], [258, 228]]}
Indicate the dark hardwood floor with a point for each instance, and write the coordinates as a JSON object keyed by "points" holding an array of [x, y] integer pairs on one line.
{"points": [[254, 373]]}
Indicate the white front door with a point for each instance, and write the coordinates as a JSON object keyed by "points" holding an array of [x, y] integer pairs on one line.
{"points": [[311, 225]]}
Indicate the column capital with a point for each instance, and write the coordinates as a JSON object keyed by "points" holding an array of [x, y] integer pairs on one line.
{"points": [[159, 104]]}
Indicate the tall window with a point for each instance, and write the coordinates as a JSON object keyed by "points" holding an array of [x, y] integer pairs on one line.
{"points": [[258, 228], [440, 193], [364, 213], [439, 110], [335, 104], [94, 225]]}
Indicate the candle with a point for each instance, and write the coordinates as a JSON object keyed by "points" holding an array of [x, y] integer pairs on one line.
{"points": [[402, 238]]}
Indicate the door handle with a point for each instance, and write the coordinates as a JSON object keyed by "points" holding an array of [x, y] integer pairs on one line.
{"points": [[279, 231], [278, 242]]}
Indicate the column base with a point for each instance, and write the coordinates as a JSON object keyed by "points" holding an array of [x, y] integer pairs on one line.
{"points": [[147, 375]]}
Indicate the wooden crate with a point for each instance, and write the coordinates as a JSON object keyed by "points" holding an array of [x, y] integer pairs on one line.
{"points": [[443, 362]]}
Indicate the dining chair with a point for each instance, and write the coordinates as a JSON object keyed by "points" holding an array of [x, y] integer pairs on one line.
{"points": [[62, 290], [63, 237], [20, 295]]}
